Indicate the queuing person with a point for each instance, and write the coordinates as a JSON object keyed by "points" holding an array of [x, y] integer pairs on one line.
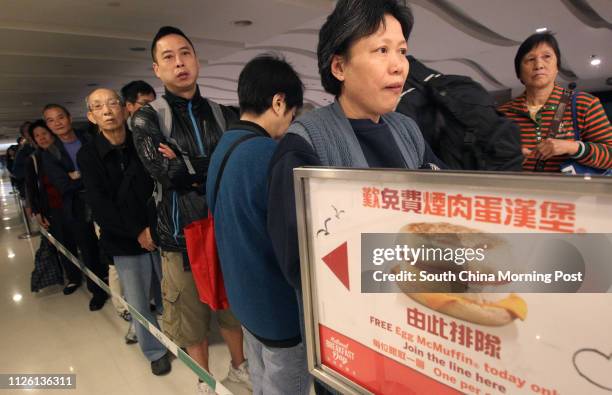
{"points": [[60, 165], [270, 93], [117, 188], [195, 130], [537, 64], [362, 62], [45, 201], [26, 148], [137, 94]]}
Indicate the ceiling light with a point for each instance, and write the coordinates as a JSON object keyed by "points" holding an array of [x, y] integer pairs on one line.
{"points": [[243, 23], [7, 228], [11, 255], [6, 218], [595, 61], [541, 29], [17, 297], [138, 49]]}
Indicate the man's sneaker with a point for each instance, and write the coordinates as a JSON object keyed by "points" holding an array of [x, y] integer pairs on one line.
{"points": [[161, 366], [130, 337], [204, 389], [240, 374]]}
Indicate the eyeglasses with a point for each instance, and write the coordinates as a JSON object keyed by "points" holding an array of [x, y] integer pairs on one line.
{"points": [[111, 103], [143, 102]]}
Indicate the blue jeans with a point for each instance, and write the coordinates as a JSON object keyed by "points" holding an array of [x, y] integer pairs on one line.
{"points": [[138, 273], [277, 371]]}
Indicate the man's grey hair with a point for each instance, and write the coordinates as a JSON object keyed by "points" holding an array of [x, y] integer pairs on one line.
{"points": [[97, 89]]}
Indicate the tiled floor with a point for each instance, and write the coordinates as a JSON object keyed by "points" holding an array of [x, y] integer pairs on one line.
{"points": [[49, 332]]}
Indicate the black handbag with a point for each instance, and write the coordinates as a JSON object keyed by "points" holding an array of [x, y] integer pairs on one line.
{"points": [[47, 268]]}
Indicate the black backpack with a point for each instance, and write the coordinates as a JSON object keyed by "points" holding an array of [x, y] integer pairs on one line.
{"points": [[459, 120]]}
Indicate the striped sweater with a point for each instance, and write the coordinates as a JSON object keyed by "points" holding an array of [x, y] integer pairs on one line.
{"points": [[595, 129]]}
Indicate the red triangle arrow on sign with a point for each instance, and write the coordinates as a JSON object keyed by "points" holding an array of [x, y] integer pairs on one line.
{"points": [[337, 261]]}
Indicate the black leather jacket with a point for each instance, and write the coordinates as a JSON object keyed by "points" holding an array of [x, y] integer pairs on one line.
{"points": [[183, 199]]}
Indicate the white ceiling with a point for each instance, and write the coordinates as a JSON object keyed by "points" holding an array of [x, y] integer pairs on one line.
{"points": [[53, 50]]}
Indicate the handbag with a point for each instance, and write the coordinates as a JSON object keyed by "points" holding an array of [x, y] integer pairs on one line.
{"points": [[202, 249], [47, 269], [572, 166]]}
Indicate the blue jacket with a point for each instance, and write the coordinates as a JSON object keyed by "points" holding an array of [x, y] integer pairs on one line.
{"points": [[259, 295]]}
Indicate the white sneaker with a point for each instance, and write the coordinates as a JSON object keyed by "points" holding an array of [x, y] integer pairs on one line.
{"points": [[240, 374], [204, 389]]}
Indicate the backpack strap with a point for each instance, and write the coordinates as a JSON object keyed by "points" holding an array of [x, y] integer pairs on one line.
{"points": [[224, 162], [164, 116], [218, 114], [575, 117], [567, 98]]}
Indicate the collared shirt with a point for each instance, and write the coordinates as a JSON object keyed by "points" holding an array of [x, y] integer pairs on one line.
{"points": [[593, 124]]}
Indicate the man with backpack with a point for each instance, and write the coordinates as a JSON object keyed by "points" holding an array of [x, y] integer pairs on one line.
{"points": [[458, 119], [270, 93], [190, 125]]}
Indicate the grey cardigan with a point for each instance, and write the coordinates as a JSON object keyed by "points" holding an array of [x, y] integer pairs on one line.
{"points": [[331, 136]]}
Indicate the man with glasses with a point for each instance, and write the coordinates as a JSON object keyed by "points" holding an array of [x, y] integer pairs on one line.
{"points": [[137, 94], [117, 187]]}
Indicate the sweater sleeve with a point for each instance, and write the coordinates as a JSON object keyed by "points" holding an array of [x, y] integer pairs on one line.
{"points": [[596, 134], [292, 151]]}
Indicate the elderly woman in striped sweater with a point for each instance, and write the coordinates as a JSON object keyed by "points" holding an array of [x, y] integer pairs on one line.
{"points": [[547, 144]]}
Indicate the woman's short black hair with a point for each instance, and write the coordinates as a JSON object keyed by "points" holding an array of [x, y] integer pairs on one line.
{"points": [[350, 21], [265, 76], [39, 123], [532, 42]]}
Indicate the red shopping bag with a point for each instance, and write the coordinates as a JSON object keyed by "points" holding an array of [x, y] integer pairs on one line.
{"points": [[204, 261], [202, 249]]}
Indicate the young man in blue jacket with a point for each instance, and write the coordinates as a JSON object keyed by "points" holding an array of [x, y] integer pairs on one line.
{"points": [[270, 92]]}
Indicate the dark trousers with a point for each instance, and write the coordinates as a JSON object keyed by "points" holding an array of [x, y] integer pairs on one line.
{"points": [[87, 242], [80, 228], [59, 229]]}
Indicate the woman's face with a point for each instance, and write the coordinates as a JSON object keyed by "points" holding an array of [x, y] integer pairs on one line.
{"points": [[539, 67], [42, 137], [373, 73]]}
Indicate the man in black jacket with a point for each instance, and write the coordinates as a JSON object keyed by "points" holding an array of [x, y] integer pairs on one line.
{"points": [[194, 133], [60, 165], [117, 188]]}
